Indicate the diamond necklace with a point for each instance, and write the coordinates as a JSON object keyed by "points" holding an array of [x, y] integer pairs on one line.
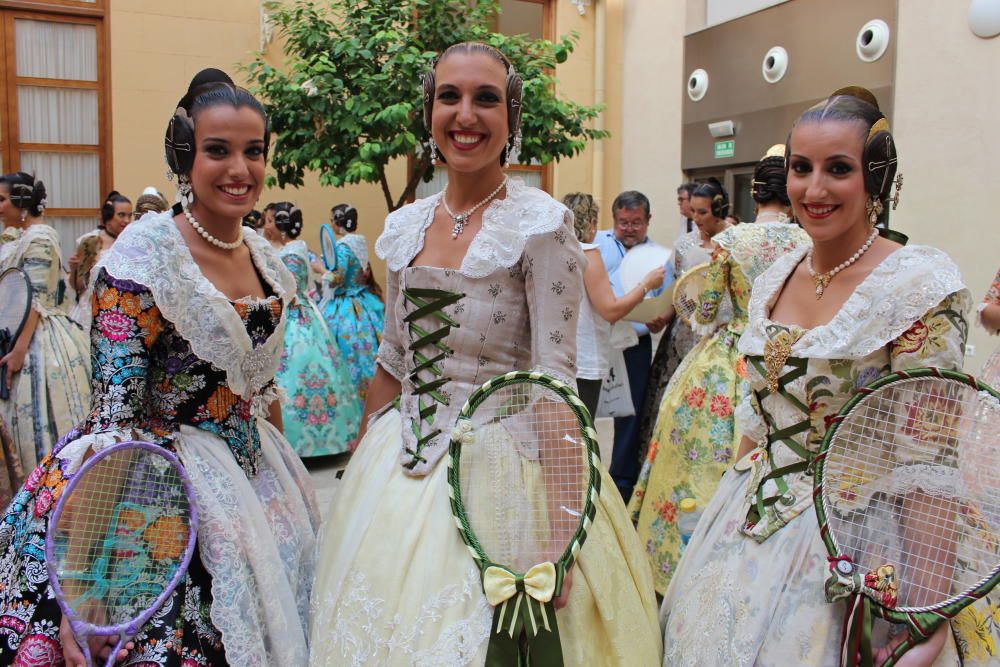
{"points": [[821, 280], [208, 237], [462, 219]]}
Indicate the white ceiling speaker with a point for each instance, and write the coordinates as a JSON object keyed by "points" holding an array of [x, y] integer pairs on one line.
{"points": [[775, 64], [984, 18], [872, 41], [697, 84]]}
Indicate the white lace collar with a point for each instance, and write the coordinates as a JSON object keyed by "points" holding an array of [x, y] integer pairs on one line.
{"points": [[897, 293], [507, 225], [152, 252]]}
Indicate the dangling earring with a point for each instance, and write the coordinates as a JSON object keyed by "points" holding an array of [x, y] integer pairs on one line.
{"points": [[874, 209], [185, 190], [513, 149], [899, 186], [434, 150], [24, 214]]}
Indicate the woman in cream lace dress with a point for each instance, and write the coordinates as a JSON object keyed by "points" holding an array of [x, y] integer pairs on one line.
{"points": [[397, 586]]}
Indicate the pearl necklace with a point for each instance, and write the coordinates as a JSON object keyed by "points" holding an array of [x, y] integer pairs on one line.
{"points": [[462, 219], [208, 237], [823, 279]]}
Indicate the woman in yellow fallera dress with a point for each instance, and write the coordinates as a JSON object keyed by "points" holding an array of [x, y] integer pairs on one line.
{"points": [[695, 434], [396, 585]]}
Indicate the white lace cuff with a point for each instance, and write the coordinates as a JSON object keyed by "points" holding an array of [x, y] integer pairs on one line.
{"points": [[749, 422], [701, 330], [260, 406], [979, 318], [390, 357]]}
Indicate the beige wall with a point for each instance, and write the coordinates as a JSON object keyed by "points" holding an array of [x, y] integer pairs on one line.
{"points": [[653, 83], [945, 130], [157, 47]]}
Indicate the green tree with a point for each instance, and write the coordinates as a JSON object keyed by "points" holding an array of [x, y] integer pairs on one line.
{"points": [[348, 100]]}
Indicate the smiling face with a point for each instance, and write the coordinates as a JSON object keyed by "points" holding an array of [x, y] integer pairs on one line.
{"points": [[228, 171], [825, 182], [631, 226], [119, 221], [469, 117]]}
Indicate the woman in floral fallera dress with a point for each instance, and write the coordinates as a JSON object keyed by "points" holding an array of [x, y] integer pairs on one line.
{"points": [[49, 367], [320, 412], [354, 313], [397, 584], [695, 434], [186, 338], [749, 590]]}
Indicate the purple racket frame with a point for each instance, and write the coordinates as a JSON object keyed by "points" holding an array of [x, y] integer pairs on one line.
{"points": [[128, 630]]}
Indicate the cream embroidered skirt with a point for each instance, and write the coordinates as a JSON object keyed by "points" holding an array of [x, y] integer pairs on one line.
{"points": [[396, 585]]}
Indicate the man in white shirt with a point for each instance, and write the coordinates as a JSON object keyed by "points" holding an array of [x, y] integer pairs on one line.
{"points": [[631, 215]]}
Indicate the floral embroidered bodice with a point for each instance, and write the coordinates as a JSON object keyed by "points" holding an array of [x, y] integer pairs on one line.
{"points": [[35, 250], [742, 253], [513, 305], [170, 349], [909, 312], [347, 278]]}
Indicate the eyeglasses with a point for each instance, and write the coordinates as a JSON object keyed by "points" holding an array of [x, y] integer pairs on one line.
{"points": [[632, 225]]}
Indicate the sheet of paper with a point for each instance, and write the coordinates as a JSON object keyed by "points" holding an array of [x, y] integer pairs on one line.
{"points": [[652, 307]]}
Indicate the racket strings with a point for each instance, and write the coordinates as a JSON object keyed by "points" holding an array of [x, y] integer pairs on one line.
{"points": [[14, 296], [122, 536], [910, 481], [524, 476]]}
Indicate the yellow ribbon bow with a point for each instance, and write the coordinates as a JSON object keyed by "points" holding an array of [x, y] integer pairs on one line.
{"points": [[500, 585]]}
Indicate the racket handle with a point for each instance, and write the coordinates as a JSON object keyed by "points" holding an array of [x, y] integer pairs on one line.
{"points": [[113, 658], [4, 389]]}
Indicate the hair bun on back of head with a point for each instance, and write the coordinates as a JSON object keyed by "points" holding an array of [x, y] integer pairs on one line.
{"points": [[206, 77], [859, 92]]}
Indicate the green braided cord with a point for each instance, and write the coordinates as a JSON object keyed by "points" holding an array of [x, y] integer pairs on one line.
{"points": [[923, 621], [565, 392]]}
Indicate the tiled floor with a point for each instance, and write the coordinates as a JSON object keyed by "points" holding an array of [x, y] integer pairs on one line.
{"points": [[324, 470]]}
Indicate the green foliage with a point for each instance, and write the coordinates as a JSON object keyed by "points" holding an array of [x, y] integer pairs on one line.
{"points": [[348, 98]]}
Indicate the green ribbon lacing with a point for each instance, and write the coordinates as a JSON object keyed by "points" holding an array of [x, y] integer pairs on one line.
{"points": [[428, 350], [784, 436]]}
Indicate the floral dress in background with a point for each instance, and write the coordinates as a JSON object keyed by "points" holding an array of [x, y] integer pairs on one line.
{"points": [[51, 393], [177, 363], [354, 314], [750, 588], [695, 434], [320, 412], [676, 342]]}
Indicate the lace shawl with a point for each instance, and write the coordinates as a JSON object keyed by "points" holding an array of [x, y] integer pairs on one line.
{"points": [[359, 246], [507, 224], [153, 253], [756, 246], [897, 293]]}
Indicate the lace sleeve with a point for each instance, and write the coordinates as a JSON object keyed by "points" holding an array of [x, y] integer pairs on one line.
{"points": [[553, 265], [716, 286], [38, 262], [390, 351], [127, 323]]}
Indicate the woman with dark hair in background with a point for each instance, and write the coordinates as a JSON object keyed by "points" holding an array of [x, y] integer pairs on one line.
{"points": [[695, 435], [48, 368], [352, 309], [599, 308], [320, 412], [824, 320], [116, 214], [187, 335]]}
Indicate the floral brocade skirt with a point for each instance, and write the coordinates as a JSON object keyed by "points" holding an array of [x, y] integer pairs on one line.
{"points": [[397, 586], [356, 321], [244, 599], [692, 444], [321, 412]]}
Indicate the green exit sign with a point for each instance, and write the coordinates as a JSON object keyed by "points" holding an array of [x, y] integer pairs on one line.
{"points": [[725, 148]]}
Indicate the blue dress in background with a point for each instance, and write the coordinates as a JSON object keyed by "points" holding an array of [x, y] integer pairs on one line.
{"points": [[353, 312], [320, 411]]}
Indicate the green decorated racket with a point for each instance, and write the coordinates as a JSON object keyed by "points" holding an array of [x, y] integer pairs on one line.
{"points": [[524, 479], [908, 502]]}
